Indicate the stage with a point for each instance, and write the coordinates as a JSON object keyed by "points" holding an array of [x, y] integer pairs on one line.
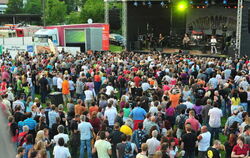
{"points": [[169, 51]]}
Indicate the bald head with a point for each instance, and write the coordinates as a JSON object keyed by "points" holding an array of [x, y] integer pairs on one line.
{"points": [[153, 119], [204, 129]]}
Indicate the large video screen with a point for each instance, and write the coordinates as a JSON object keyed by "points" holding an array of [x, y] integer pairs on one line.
{"points": [[75, 36]]}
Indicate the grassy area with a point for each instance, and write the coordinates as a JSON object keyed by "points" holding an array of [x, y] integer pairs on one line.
{"points": [[114, 48]]}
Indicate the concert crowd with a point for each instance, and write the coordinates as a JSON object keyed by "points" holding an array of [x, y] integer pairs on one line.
{"points": [[126, 105]]}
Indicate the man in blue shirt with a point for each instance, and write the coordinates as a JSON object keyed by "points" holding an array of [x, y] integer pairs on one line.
{"points": [[138, 114], [30, 122]]}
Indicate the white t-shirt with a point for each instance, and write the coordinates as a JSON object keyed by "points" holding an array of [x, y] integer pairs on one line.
{"points": [[61, 152], [59, 83], [109, 89], [204, 143], [110, 113], [102, 147], [89, 95], [215, 115], [61, 135]]}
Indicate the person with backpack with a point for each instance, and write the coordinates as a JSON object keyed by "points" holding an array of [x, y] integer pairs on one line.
{"points": [[139, 136], [180, 122], [124, 149], [22, 136]]}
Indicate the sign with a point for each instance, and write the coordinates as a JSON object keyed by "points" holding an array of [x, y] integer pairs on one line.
{"points": [[42, 49], [105, 37], [30, 49], [14, 49]]}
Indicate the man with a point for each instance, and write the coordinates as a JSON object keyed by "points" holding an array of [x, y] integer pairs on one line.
{"points": [[143, 153], [79, 89], [120, 148], [20, 152], [61, 134], [231, 120], [119, 117], [243, 98], [86, 131], [44, 88], [213, 42], [180, 122], [30, 122], [60, 151], [213, 81], [110, 114], [138, 115], [188, 142], [59, 82], [193, 121], [153, 143], [102, 147], [66, 90], [215, 115], [79, 108], [115, 138], [109, 89], [205, 110], [52, 116], [138, 136], [22, 136], [75, 135], [203, 142], [18, 102], [213, 152], [246, 135], [149, 124]]}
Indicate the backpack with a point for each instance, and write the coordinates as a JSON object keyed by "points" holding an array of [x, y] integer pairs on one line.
{"points": [[22, 139], [182, 121], [128, 150]]}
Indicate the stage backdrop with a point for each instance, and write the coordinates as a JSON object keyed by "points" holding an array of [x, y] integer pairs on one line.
{"points": [[211, 18]]}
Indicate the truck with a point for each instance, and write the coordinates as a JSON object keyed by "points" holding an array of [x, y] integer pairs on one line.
{"points": [[27, 31], [86, 36]]}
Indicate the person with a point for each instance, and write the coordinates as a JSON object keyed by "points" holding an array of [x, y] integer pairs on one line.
{"points": [[138, 114], [241, 149], [188, 142], [30, 122], [126, 128], [180, 121], [79, 107], [185, 41], [60, 151], [193, 121], [231, 120], [52, 115], [66, 90], [204, 112], [28, 145], [102, 147], [20, 152], [86, 131], [139, 136], [61, 134], [215, 115], [120, 148], [110, 114], [143, 153], [229, 144], [115, 138], [153, 143], [203, 142], [213, 151], [213, 43]]}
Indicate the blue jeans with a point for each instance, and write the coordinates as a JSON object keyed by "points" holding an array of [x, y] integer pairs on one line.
{"points": [[244, 105], [86, 143], [189, 154]]}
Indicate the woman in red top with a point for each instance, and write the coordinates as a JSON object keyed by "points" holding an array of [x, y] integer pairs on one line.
{"points": [[241, 149]]}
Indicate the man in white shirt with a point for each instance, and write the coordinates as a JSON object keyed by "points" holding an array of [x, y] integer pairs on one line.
{"points": [[102, 147], [110, 114], [18, 102], [188, 103], [59, 83], [60, 151], [145, 86], [215, 115], [109, 89], [153, 143], [213, 45], [203, 142], [60, 134]]}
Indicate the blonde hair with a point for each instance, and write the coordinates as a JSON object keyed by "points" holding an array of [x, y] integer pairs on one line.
{"points": [[39, 136]]}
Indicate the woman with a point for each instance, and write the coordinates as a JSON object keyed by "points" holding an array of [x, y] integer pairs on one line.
{"points": [[235, 101], [28, 145], [229, 145], [123, 102], [41, 125], [95, 122], [186, 93], [29, 104], [126, 111], [241, 149], [173, 149]]}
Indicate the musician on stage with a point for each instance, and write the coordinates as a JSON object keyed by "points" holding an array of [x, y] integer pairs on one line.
{"points": [[213, 43], [160, 41], [185, 41]]}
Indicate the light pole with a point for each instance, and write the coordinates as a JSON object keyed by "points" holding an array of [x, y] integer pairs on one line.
{"points": [[44, 22]]}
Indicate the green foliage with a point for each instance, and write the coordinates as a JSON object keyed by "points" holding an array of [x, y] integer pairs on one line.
{"points": [[15, 7], [33, 7], [73, 18], [93, 9], [55, 12]]}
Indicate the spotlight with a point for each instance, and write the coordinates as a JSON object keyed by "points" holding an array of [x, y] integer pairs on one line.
{"points": [[203, 7], [162, 3], [143, 3], [224, 2], [135, 3], [191, 2], [228, 7], [182, 5], [149, 4], [235, 7], [206, 2], [198, 7]]}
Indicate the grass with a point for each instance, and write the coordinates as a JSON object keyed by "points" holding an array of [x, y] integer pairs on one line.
{"points": [[114, 48]]}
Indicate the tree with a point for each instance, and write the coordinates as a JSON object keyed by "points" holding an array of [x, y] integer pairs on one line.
{"points": [[55, 12], [33, 7], [93, 9], [15, 7], [73, 18]]}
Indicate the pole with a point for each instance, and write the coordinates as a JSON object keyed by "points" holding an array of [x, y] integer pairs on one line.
{"points": [[124, 22], [106, 12]]}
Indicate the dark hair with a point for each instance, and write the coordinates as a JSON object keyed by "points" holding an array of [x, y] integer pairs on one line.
{"points": [[20, 149], [29, 139], [61, 142], [28, 114], [140, 125], [102, 135], [124, 137]]}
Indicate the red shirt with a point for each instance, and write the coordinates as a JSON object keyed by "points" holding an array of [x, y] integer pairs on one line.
{"points": [[194, 123], [137, 81], [239, 151], [97, 78]]}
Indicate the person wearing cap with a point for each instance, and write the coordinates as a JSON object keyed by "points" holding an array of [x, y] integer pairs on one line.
{"points": [[231, 120]]}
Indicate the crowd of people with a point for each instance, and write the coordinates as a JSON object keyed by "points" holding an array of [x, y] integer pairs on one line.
{"points": [[126, 105]]}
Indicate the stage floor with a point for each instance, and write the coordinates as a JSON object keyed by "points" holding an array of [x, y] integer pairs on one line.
{"points": [[186, 52]]}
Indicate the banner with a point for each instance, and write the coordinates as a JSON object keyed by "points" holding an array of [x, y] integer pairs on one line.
{"points": [[1, 50], [105, 37]]}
